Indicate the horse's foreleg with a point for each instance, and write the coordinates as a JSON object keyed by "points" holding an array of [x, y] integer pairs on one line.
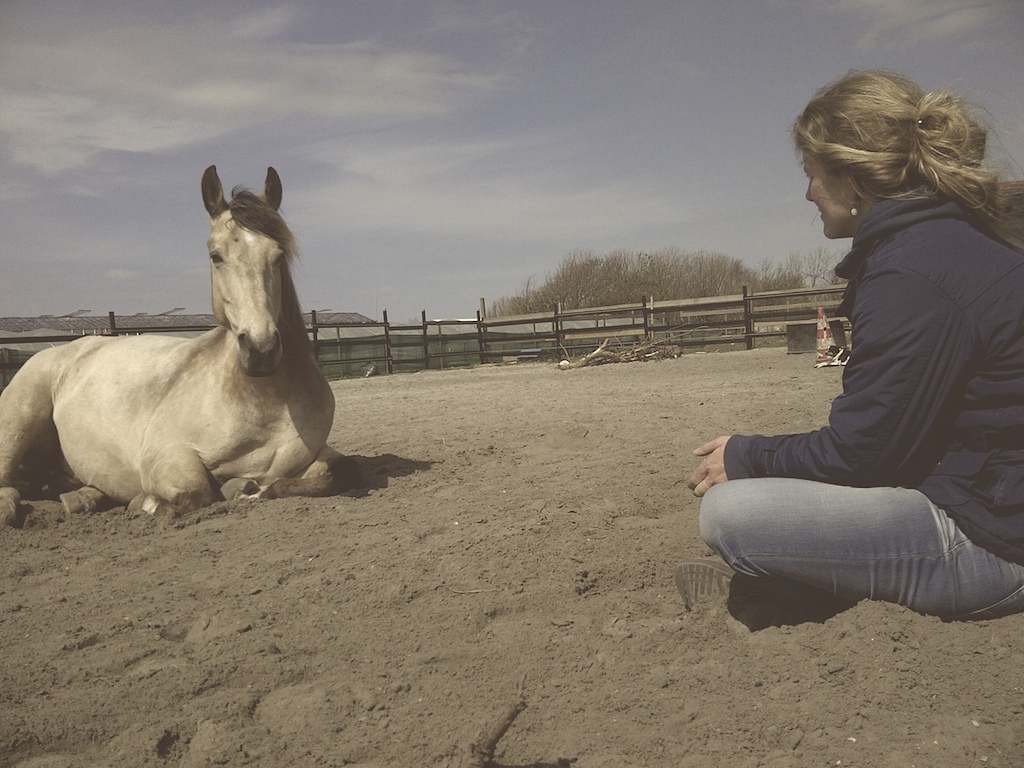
{"points": [[329, 475], [28, 436], [232, 490], [175, 482]]}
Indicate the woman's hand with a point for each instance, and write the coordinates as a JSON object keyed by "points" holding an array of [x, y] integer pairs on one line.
{"points": [[712, 470]]}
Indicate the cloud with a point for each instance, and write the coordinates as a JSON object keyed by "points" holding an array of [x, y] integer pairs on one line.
{"points": [[71, 89], [920, 21], [54, 132], [265, 23], [471, 189], [121, 275]]}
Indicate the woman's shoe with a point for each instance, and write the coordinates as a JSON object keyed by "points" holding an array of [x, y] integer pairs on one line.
{"points": [[697, 579]]}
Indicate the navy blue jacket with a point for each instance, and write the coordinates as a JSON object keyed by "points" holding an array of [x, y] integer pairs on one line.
{"points": [[933, 394]]}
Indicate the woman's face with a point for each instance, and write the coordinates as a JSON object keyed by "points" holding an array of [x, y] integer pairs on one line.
{"points": [[835, 198]]}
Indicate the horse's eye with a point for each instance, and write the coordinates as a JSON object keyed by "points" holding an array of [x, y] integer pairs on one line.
{"points": [[216, 258]]}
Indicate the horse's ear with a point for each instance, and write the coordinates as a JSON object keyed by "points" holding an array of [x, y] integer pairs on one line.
{"points": [[213, 193], [272, 189]]}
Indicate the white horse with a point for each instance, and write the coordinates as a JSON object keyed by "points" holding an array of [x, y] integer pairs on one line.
{"points": [[162, 423]]}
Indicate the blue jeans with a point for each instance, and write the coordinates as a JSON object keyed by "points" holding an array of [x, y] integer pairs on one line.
{"points": [[892, 544]]}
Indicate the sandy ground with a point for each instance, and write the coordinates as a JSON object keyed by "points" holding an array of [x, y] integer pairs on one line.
{"points": [[521, 530]]}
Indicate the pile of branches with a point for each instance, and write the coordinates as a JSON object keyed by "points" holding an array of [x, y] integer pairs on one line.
{"points": [[648, 349]]}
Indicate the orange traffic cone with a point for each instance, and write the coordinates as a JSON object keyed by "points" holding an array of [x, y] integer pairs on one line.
{"points": [[825, 340]]}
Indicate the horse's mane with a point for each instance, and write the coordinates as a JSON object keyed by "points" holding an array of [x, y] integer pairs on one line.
{"points": [[251, 212]]}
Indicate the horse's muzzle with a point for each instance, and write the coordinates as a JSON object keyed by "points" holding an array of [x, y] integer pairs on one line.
{"points": [[259, 359]]}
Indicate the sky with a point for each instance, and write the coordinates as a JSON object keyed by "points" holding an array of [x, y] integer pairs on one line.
{"points": [[438, 152]]}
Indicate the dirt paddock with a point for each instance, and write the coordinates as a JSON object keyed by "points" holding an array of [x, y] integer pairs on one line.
{"points": [[521, 529]]}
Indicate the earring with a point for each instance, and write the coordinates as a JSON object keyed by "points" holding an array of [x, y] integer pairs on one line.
{"points": [[853, 211]]}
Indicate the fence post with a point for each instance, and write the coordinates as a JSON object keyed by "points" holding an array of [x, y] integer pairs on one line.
{"points": [[441, 348], [426, 341], [648, 309], [748, 319], [388, 363], [481, 335], [113, 326], [556, 326], [316, 338]]}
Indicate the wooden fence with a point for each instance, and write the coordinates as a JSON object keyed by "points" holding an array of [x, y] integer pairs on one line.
{"points": [[358, 349]]}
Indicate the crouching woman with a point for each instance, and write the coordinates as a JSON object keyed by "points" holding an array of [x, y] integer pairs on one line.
{"points": [[914, 491]]}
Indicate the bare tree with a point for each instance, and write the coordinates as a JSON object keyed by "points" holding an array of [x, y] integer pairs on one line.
{"points": [[586, 279], [817, 267]]}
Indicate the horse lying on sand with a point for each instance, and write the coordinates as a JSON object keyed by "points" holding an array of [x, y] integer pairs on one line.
{"points": [[164, 423]]}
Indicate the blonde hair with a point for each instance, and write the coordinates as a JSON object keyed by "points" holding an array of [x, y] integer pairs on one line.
{"points": [[893, 140]]}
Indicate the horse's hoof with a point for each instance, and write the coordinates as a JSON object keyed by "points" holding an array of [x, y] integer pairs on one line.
{"points": [[9, 500], [348, 475], [8, 514], [148, 504], [72, 503], [240, 488]]}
